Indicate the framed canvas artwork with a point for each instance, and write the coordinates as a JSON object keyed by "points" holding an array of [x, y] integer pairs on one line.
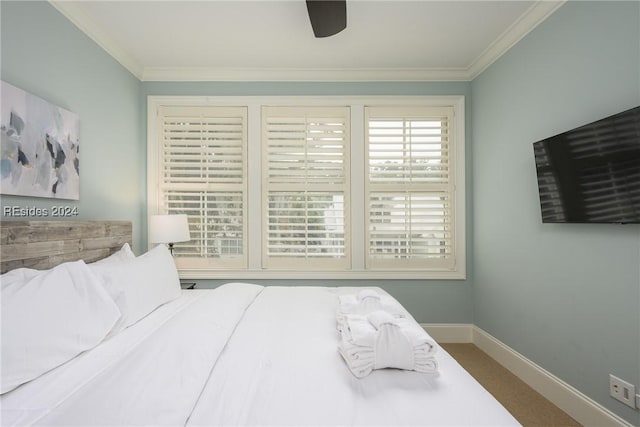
{"points": [[40, 147]]}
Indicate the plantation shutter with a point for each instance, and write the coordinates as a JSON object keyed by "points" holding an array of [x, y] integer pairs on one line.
{"points": [[305, 187], [410, 191], [203, 174]]}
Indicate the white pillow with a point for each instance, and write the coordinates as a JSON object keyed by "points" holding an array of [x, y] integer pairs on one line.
{"points": [[123, 254], [140, 285], [21, 274], [49, 317]]}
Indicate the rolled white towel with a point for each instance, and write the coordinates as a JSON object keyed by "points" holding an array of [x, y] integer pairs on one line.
{"points": [[419, 338], [361, 360], [393, 343], [380, 317]]}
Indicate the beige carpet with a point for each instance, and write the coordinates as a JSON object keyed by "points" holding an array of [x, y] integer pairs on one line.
{"points": [[529, 407]]}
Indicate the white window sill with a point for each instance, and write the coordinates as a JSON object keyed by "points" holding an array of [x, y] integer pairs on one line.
{"points": [[323, 275]]}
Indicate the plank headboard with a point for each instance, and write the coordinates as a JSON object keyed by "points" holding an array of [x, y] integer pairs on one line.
{"points": [[45, 244]]}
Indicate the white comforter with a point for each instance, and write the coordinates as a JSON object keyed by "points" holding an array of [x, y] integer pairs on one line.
{"points": [[243, 355]]}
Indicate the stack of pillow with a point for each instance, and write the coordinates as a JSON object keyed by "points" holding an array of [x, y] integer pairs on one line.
{"points": [[51, 316], [376, 332]]}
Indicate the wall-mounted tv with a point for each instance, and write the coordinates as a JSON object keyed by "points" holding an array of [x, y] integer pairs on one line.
{"points": [[591, 174]]}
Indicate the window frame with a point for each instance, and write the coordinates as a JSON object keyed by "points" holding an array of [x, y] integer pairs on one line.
{"points": [[358, 168]]}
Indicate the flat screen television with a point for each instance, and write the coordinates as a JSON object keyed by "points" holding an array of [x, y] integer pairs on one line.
{"points": [[591, 174]]}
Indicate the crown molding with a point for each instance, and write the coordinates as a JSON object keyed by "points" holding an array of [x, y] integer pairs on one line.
{"points": [[534, 16], [182, 74], [529, 20], [87, 25]]}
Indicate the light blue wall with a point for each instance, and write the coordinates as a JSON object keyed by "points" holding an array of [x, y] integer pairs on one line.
{"points": [[44, 54], [565, 296], [48, 56], [430, 301]]}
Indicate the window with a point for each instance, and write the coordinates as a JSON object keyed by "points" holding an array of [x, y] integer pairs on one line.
{"points": [[409, 190], [312, 187], [202, 173], [305, 185]]}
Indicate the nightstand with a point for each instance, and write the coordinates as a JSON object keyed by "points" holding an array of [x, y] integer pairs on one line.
{"points": [[188, 285]]}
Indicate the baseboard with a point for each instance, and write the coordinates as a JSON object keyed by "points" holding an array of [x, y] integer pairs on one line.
{"points": [[450, 332], [579, 406]]}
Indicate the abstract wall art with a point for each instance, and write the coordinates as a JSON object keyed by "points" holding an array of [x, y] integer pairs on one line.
{"points": [[40, 147]]}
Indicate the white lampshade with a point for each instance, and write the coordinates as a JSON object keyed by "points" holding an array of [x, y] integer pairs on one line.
{"points": [[168, 229]]}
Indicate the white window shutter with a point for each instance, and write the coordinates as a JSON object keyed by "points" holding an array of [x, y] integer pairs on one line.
{"points": [[409, 188], [305, 187], [203, 174]]}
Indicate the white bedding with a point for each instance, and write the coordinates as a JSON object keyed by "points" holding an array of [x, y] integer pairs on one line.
{"points": [[243, 355]]}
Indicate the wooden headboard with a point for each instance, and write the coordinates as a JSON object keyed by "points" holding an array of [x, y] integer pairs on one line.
{"points": [[45, 244]]}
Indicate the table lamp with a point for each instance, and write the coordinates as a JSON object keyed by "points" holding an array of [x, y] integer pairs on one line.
{"points": [[169, 229]]}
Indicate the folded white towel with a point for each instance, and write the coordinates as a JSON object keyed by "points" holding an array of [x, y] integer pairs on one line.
{"points": [[381, 340], [368, 293], [368, 300]]}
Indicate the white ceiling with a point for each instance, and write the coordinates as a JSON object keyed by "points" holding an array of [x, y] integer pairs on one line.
{"points": [[272, 40]]}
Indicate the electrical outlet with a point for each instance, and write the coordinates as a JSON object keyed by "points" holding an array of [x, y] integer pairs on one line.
{"points": [[622, 390]]}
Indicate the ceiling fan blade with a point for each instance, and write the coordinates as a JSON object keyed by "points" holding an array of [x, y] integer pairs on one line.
{"points": [[328, 17]]}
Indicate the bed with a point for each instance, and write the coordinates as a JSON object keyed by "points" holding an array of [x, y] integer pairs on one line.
{"points": [[238, 355]]}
